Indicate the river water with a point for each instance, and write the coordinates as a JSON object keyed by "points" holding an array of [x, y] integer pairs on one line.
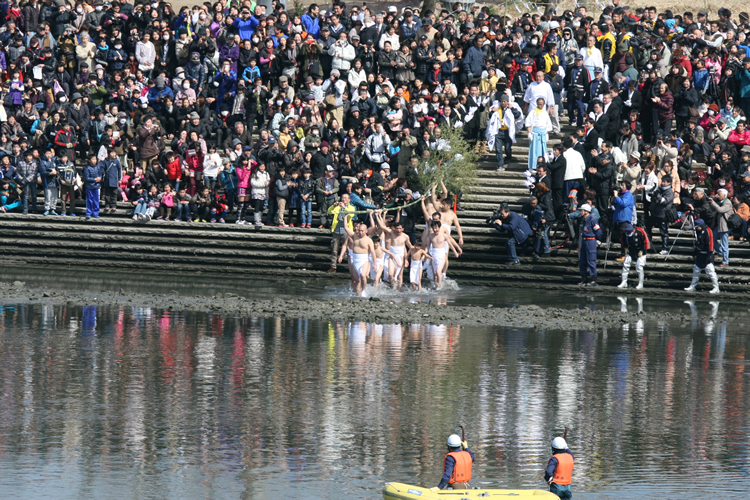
{"points": [[124, 402]]}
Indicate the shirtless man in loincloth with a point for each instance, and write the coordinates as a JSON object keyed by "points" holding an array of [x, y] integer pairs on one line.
{"points": [[398, 244], [430, 217], [439, 241], [361, 250], [377, 267]]}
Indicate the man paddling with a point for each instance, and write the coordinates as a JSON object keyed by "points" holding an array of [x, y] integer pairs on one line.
{"points": [[456, 466], [559, 473]]}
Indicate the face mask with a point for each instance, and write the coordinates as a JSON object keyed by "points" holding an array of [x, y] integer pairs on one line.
{"points": [[316, 132], [98, 8], [165, 37], [63, 99], [202, 17], [100, 72], [224, 113], [255, 40], [123, 121], [79, 10], [118, 47], [533, 42], [711, 112], [186, 85], [279, 103]]}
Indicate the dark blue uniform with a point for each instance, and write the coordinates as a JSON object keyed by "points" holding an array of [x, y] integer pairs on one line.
{"points": [[590, 232]]}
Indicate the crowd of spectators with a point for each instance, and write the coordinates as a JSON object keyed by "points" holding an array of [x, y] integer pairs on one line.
{"points": [[236, 109]]}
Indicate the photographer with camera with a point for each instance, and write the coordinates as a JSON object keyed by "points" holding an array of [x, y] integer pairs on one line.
{"points": [[515, 225]]}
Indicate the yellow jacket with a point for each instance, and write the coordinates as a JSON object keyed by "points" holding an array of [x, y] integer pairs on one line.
{"points": [[334, 210]]}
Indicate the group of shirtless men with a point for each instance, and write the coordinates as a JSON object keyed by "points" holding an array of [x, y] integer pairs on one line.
{"points": [[381, 253]]}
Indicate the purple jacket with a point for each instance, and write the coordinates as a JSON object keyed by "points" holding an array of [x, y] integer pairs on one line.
{"points": [[233, 53]]}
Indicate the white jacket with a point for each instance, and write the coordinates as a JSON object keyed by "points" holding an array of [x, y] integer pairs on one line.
{"points": [[211, 164], [494, 126], [389, 38], [355, 78], [343, 55], [575, 166]]}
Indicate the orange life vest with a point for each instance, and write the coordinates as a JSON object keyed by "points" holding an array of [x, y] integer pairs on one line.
{"points": [[462, 469], [564, 471]]}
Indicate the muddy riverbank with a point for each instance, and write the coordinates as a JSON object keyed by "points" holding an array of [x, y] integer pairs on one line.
{"points": [[346, 309]]}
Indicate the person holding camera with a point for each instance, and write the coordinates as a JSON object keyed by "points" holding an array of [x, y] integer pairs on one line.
{"points": [[723, 207], [516, 226], [661, 205]]}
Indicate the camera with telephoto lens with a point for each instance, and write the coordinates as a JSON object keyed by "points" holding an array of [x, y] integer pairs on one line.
{"points": [[497, 214]]}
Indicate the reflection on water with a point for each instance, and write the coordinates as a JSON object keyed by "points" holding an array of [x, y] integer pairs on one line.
{"points": [[97, 401]]}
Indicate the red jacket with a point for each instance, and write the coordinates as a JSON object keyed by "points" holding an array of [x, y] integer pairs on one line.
{"points": [[174, 170]]}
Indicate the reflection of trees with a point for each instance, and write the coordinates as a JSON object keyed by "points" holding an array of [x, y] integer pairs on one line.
{"points": [[151, 394]]}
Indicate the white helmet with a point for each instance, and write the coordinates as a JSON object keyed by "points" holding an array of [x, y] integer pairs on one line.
{"points": [[559, 444], [454, 441]]}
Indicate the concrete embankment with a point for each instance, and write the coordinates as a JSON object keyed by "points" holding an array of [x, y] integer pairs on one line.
{"points": [[160, 247]]}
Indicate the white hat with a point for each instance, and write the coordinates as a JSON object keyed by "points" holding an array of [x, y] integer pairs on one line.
{"points": [[393, 9], [553, 25], [586, 207]]}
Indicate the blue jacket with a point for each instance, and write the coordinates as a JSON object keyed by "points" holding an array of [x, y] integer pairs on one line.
{"points": [[624, 205], [154, 93], [517, 226], [359, 203], [45, 167], [246, 28], [312, 26], [591, 228], [743, 76], [91, 172], [111, 172], [474, 61]]}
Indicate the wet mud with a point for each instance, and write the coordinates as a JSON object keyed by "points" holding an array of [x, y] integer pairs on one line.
{"points": [[372, 310]]}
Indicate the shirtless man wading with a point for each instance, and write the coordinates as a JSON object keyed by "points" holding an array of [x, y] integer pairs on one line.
{"points": [[398, 244], [359, 256], [437, 217], [439, 242]]}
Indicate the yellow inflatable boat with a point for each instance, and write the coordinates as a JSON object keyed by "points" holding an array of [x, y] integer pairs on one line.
{"points": [[400, 491]]}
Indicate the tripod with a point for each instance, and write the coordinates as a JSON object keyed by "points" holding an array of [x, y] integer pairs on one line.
{"points": [[688, 217]]}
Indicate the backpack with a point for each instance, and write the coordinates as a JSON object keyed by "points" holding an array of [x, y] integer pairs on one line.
{"points": [[734, 221], [68, 176]]}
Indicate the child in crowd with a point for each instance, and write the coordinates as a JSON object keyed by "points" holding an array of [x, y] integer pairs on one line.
{"points": [[166, 203]]}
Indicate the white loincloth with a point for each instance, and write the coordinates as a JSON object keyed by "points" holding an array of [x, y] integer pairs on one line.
{"points": [[450, 228], [415, 271], [382, 262], [398, 253], [358, 261], [438, 256]]}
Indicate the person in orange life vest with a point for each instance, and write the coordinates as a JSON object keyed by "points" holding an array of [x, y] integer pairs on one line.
{"points": [[559, 472], [456, 466]]}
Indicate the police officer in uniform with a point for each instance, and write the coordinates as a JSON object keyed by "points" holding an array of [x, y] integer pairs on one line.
{"points": [[704, 256], [590, 232], [634, 242], [559, 472], [456, 466]]}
